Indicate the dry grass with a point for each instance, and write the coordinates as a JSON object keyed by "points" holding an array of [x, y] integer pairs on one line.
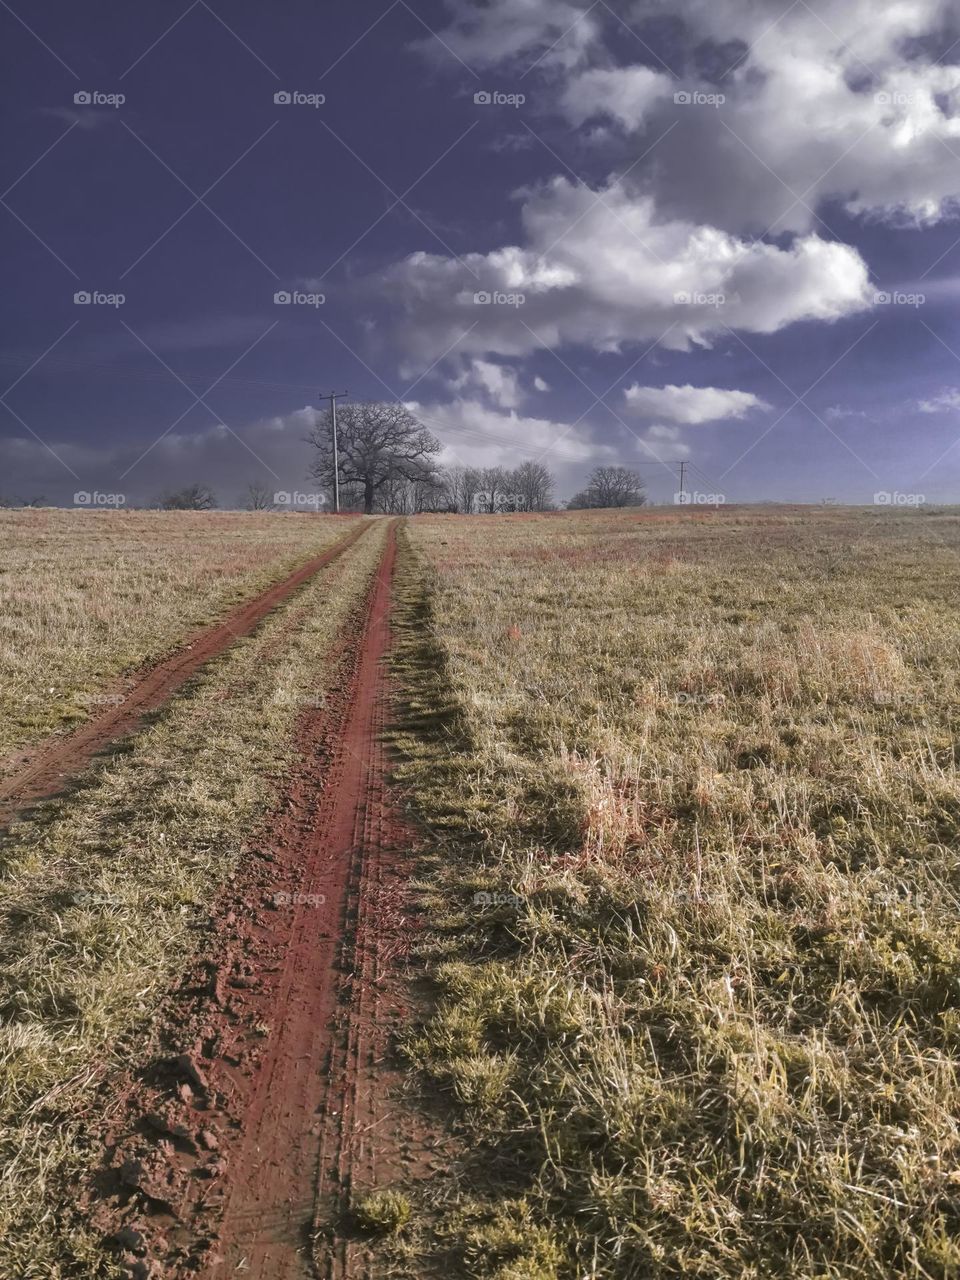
{"points": [[703, 1018], [88, 595], [101, 898]]}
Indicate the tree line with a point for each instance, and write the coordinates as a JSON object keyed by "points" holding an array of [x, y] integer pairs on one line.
{"points": [[387, 463]]}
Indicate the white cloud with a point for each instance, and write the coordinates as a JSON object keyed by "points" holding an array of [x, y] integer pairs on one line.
{"points": [[604, 268], [691, 406], [839, 413], [625, 94], [498, 382], [557, 32], [476, 435], [825, 105], [946, 402], [663, 443], [844, 100], [540, 385]]}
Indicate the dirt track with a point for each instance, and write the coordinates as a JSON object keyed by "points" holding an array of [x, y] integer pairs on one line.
{"points": [[241, 1151], [51, 765]]}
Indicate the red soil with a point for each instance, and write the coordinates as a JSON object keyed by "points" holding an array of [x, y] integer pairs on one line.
{"points": [[270, 1100]]}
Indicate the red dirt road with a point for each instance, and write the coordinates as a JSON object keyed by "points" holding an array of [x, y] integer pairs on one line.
{"points": [[270, 1209], [53, 763], [282, 1031]]}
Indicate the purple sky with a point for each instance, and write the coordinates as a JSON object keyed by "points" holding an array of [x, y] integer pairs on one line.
{"points": [[689, 226]]}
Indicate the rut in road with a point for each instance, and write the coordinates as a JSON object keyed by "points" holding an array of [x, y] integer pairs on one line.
{"points": [[54, 764], [272, 1096], [307, 1132]]}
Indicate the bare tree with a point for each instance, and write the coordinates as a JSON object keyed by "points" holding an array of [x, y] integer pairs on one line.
{"points": [[495, 485], [257, 497], [195, 497], [611, 487], [533, 485], [378, 443], [462, 485]]}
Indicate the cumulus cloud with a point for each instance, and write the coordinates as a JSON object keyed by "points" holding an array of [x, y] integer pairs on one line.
{"points": [[477, 435], [601, 268], [822, 106], [845, 100], [498, 382], [691, 406]]}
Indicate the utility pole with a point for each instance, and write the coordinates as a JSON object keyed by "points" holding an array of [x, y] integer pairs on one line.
{"points": [[683, 467], [333, 397]]}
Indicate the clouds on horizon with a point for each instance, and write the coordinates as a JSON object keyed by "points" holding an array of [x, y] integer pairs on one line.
{"points": [[273, 451]]}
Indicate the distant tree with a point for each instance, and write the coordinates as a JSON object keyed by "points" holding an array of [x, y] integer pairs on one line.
{"points": [[583, 500], [610, 487], [257, 497], [495, 486], [461, 485], [195, 497], [379, 443], [533, 485], [428, 495]]}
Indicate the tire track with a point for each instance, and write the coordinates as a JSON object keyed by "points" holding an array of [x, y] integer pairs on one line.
{"points": [[272, 1095], [54, 764], [308, 1123]]}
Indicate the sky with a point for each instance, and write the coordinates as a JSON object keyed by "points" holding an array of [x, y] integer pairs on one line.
{"points": [[627, 232]]}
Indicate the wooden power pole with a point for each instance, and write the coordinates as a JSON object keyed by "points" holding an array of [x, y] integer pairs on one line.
{"points": [[333, 397]]}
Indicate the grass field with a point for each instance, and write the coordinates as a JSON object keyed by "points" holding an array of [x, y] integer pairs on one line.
{"points": [[87, 595], [694, 901], [687, 784]]}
